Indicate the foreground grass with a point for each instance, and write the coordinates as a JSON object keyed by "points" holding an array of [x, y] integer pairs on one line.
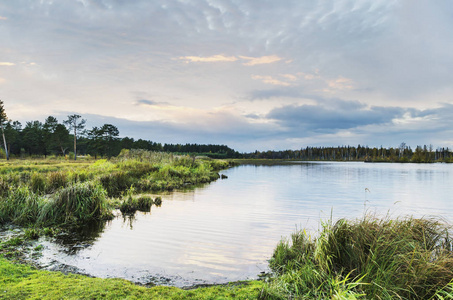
{"points": [[23, 282], [369, 258]]}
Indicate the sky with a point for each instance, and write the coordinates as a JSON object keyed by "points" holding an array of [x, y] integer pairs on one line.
{"points": [[253, 75]]}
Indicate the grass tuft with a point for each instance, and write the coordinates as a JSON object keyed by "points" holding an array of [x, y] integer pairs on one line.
{"points": [[76, 204], [380, 258]]}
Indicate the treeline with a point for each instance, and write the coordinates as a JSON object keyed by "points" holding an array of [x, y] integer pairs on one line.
{"points": [[403, 153], [55, 138]]}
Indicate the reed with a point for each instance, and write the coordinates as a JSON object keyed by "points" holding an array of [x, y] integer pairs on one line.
{"points": [[75, 205], [377, 258], [21, 206]]}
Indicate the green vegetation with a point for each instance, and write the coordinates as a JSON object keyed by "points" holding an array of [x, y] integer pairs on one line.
{"points": [[23, 282], [57, 192], [369, 258]]}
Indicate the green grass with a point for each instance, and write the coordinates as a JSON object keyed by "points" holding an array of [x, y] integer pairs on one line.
{"points": [[369, 258], [23, 282]]}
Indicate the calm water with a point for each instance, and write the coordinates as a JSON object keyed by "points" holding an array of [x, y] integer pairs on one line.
{"points": [[227, 230]]}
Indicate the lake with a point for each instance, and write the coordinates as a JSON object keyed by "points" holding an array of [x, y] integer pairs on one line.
{"points": [[227, 230]]}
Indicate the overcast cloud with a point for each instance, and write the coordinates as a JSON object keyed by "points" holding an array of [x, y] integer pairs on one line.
{"points": [[250, 74]]}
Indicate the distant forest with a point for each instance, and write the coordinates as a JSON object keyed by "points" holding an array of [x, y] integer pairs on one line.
{"points": [[403, 153], [55, 138]]}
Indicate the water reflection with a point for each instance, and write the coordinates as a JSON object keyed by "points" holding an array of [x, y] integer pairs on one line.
{"points": [[227, 230]]}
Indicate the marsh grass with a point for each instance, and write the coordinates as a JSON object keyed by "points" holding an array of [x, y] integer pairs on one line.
{"points": [[58, 192], [132, 203], [76, 204], [380, 258]]}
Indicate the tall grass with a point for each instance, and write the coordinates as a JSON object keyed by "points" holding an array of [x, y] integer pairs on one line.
{"points": [[76, 204], [376, 258], [20, 206]]}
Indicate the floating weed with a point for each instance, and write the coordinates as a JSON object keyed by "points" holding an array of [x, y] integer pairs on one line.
{"points": [[158, 201]]}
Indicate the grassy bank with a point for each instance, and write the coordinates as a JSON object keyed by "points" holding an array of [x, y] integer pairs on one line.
{"points": [[23, 282], [368, 258], [56, 192]]}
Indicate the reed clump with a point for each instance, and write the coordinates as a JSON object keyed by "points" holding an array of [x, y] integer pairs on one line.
{"points": [[75, 205], [375, 258]]}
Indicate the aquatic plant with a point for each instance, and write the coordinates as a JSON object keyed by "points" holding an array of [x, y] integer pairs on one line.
{"points": [[158, 201], [380, 258], [76, 204], [144, 203], [131, 204]]}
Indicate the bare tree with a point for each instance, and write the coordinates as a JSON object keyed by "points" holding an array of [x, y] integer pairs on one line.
{"points": [[3, 119], [74, 122]]}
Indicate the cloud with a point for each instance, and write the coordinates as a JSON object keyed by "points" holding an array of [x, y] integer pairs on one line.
{"points": [[3, 18], [7, 64], [340, 83], [270, 80], [275, 93], [214, 58], [149, 102], [290, 77], [252, 61], [333, 115]]}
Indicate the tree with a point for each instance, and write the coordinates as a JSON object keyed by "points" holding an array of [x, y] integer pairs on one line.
{"points": [[48, 130], [12, 133], [95, 137], [32, 137], [110, 133], [3, 119], [74, 122], [61, 138]]}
